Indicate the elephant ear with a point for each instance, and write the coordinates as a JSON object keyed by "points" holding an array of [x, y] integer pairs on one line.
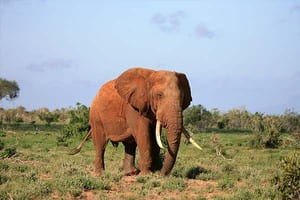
{"points": [[184, 84], [133, 88]]}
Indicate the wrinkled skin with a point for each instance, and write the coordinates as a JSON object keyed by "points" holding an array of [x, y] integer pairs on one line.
{"points": [[126, 110]]}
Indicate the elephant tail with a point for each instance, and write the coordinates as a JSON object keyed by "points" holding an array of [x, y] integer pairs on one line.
{"points": [[78, 148]]}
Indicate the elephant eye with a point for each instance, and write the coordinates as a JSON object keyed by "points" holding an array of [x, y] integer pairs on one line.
{"points": [[159, 95]]}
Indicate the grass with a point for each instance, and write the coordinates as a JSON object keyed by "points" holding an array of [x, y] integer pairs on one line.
{"points": [[36, 166]]}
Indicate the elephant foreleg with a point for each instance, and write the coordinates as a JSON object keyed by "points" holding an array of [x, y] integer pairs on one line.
{"points": [[155, 153], [143, 140], [129, 158]]}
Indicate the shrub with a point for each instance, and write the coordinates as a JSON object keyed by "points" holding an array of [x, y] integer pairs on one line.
{"points": [[270, 136], [291, 121], [61, 141], [2, 133], [155, 184], [21, 168], [296, 136], [198, 117], [288, 181], [227, 168], [79, 122], [142, 179], [221, 124], [9, 152]]}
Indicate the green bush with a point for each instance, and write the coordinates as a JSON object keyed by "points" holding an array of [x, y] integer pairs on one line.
{"points": [[269, 137], [2, 133], [79, 122], [227, 168], [291, 121], [197, 117], [155, 184], [62, 141], [288, 181], [21, 168], [296, 137], [49, 117], [8, 152], [142, 179]]}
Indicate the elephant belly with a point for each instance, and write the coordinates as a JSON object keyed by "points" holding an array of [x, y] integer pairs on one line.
{"points": [[111, 112], [114, 128]]}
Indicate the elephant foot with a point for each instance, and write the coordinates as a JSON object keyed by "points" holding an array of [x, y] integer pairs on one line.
{"points": [[132, 172], [97, 172], [145, 173], [94, 173]]}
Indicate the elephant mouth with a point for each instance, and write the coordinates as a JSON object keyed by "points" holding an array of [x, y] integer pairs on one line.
{"points": [[184, 131]]}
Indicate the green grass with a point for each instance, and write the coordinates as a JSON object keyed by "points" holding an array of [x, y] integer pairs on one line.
{"points": [[40, 168]]}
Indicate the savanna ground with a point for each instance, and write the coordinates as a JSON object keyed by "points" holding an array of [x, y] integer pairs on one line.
{"points": [[41, 168]]}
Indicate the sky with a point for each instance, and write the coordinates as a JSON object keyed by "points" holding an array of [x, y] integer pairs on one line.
{"points": [[234, 53]]}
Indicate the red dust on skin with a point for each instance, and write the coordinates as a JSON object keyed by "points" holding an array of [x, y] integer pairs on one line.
{"points": [[131, 104]]}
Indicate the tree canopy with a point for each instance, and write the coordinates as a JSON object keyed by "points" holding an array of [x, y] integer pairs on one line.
{"points": [[8, 89]]}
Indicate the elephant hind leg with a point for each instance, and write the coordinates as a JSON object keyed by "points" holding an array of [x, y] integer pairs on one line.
{"points": [[100, 143], [129, 158]]}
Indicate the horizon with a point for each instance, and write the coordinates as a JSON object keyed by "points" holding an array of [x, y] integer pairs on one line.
{"points": [[234, 54]]}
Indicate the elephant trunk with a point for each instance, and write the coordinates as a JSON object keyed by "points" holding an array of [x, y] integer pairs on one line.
{"points": [[174, 128]]}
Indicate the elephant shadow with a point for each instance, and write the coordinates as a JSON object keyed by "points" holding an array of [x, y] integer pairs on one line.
{"points": [[193, 172]]}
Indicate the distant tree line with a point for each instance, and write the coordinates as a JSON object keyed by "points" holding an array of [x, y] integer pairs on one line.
{"points": [[268, 129], [39, 116], [200, 119], [197, 118]]}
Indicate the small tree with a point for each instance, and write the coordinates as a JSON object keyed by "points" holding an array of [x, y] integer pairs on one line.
{"points": [[8, 89], [49, 117], [197, 116], [269, 135]]}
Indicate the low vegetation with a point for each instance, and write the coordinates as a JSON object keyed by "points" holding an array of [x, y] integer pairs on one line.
{"points": [[241, 156], [288, 180], [35, 166]]}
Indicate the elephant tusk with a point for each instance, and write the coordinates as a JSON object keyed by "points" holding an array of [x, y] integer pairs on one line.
{"points": [[188, 137], [157, 134]]}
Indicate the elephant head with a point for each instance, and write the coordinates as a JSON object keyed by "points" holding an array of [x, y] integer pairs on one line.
{"points": [[164, 93]]}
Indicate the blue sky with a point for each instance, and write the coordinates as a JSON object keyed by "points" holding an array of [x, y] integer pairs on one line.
{"points": [[234, 53]]}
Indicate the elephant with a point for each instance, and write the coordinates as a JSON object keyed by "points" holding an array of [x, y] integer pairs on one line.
{"points": [[132, 109]]}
